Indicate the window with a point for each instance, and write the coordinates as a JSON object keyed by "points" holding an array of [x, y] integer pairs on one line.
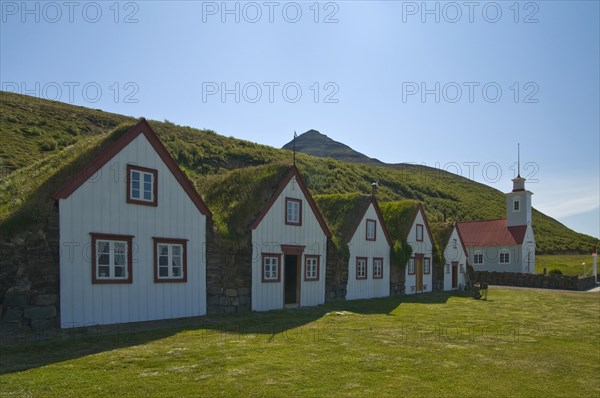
{"points": [[447, 268], [411, 266], [516, 205], [141, 185], [111, 258], [293, 211], [270, 267], [361, 268], [478, 258], [419, 233], [504, 257], [426, 265], [170, 260], [311, 268], [462, 269], [371, 229], [377, 268]]}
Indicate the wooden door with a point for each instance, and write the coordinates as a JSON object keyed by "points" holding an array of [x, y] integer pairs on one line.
{"points": [[454, 274], [419, 272]]}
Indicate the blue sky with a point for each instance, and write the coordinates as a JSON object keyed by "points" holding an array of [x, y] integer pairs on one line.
{"points": [[453, 85]]}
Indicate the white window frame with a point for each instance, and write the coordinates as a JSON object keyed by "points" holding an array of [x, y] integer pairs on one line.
{"points": [[271, 267], [293, 211], [516, 205], [504, 257], [361, 268], [477, 255], [411, 266], [371, 233], [171, 257], [377, 268], [311, 268], [123, 244]]}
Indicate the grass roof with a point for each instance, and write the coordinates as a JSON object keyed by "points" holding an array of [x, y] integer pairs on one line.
{"points": [[441, 232], [236, 198], [25, 195], [399, 216], [342, 213]]}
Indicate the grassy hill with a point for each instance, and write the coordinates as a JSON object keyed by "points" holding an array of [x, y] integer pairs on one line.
{"points": [[44, 142]]}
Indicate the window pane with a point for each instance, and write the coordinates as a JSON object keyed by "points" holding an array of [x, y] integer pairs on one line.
{"points": [[119, 259], [176, 261], [135, 176], [135, 193], [177, 271], [135, 185], [176, 250], [120, 247], [103, 271], [147, 195], [119, 272], [103, 259], [163, 272], [163, 250], [147, 186], [102, 246], [163, 261], [147, 178]]}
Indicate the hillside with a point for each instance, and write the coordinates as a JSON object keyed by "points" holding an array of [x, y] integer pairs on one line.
{"points": [[33, 167]]}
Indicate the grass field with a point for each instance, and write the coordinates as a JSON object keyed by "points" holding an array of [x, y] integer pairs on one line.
{"points": [[568, 264], [518, 343]]}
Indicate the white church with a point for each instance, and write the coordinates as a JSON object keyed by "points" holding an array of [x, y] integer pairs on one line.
{"points": [[507, 244]]}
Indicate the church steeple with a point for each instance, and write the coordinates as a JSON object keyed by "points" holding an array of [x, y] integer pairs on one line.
{"points": [[518, 202]]}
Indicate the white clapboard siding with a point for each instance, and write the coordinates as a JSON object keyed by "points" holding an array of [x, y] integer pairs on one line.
{"points": [[425, 247], [454, 252], [270, 234], [99, 206], [360, 247]]}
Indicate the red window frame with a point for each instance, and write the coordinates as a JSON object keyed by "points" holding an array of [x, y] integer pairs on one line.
{"points": [[419, 232], [366, 268], [426, 269], [377, 259], [112, 237], [374, 223], [306, 258], [262, 266], [412, 259], [299, 201], [183, 243], [154, 202]]}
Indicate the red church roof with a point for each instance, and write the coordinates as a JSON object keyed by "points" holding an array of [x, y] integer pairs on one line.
{"points": [[491, 233]]}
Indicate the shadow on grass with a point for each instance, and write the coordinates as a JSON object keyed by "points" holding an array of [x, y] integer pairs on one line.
{"points": [[19, 353]]}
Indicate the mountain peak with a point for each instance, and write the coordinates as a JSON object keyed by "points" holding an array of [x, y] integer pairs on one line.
{"points": [[318, 144]]}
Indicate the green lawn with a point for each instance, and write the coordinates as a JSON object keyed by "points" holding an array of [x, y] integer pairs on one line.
{"points": [[568, 264], [518, 343]]}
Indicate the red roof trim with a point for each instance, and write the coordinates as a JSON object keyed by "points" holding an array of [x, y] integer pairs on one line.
{"points": [[293, 173], [462, 241], [141, 127]]}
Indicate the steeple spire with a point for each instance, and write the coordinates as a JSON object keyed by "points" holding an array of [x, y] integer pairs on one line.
{"points": [[294, 158], [518, 160]]}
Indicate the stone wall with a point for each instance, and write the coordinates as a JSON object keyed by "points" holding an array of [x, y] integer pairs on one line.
{"points": [[336, 273], [228, 274], [29, 285], [397, 279], [534, 280]]}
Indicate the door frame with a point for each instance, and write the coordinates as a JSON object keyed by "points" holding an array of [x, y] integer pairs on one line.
{"points": [[293, 250], [419, 272], [454, 275]]}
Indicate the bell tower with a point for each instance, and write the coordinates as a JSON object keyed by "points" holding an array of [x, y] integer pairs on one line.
{"points": [[518, 202]]}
